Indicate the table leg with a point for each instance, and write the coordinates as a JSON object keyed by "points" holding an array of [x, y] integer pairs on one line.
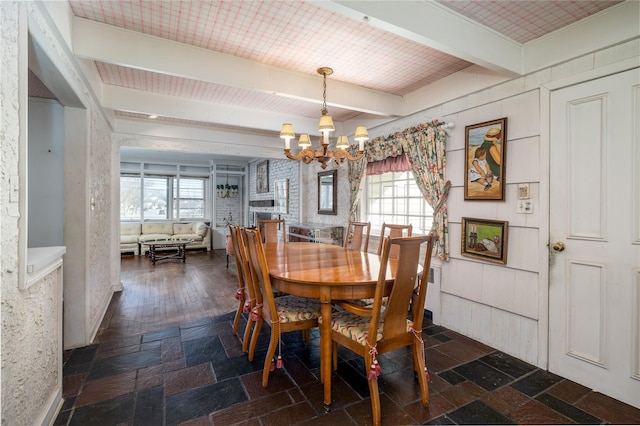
{"points": [[325, 353]]}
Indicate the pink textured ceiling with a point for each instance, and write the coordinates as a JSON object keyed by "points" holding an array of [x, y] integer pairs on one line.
{"points": [[288, 34], [301, 37], [524, 21]]}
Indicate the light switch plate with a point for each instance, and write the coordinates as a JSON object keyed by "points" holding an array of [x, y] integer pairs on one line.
{"points": [[525, 206], [523, 191]]}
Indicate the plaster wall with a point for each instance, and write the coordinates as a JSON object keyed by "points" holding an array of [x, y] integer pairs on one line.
{"points": [[103, 267], [31, 329], [31, 360], [18, 379]]}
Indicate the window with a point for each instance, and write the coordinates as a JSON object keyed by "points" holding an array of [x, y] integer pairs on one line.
{"points": [[155, 194], [155, 197], [189, 198], [394, 197], [130, 197]]}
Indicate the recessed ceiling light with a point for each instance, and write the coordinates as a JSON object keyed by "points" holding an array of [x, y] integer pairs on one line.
{"points": [[153, 117]]}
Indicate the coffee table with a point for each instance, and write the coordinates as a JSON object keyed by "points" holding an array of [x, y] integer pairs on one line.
{"points": [[177, 249]]}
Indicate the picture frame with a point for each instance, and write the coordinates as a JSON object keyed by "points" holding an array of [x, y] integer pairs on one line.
{"points": [[281, 196], [485, 153], [328, 192], [262, 177], [485, 239]]}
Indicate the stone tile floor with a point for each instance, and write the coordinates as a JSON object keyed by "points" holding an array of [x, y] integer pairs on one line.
{"points": [[196, 374]]}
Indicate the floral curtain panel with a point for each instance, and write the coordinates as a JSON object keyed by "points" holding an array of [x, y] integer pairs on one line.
{"points": [[356, 173], [424, 148]]}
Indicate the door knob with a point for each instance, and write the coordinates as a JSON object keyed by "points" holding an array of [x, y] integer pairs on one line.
{"points": [[558, 246]]}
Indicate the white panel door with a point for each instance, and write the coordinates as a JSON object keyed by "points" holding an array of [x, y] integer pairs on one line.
{"points": [[594, 283]]}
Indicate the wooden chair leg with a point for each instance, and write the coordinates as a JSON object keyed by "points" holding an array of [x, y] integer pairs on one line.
{"points": [[254, 338], [334, 355], [236, 320], [373, 390], [418, 358], [247, 335], [273, 345]]}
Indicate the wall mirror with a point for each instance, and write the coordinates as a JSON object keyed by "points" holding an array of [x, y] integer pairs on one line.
{"points": [[328, 192]]}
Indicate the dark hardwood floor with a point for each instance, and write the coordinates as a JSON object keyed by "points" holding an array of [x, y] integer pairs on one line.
{"points": [[170, 293], [165, 355]]}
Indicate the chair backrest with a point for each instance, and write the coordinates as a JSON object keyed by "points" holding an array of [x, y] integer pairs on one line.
{"points": [[393, 231], [240, 255], [357, 237], [398, 302], [269, 229], [260, 273]]}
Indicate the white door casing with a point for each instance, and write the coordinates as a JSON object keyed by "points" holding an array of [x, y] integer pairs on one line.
{"points": [[594, 282]]}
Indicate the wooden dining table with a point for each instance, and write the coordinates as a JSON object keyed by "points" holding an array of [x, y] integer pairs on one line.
{"points": [[328, 273]]}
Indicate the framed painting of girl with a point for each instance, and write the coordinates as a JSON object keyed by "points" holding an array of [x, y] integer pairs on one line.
{"points": [[485, 148]]}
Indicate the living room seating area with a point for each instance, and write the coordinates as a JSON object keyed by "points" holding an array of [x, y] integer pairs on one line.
{"points": [[133, 236]]}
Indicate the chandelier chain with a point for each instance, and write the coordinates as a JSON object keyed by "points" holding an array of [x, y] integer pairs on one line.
{"points": [[324, 94]]}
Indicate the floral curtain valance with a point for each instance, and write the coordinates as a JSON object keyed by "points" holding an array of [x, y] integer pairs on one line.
{"points": [[390, 164], [425, 149], [380, 148]]}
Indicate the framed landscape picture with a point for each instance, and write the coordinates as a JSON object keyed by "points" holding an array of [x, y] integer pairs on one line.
{"points": [[485, 152], [485, 239], [262, 177]]}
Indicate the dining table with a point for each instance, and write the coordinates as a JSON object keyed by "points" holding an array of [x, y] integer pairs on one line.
{"points": [[328, 273]]}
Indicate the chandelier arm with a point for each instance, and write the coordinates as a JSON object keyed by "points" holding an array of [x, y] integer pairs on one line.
{"points": [[347, 156], [305, 153], [355, 158]]}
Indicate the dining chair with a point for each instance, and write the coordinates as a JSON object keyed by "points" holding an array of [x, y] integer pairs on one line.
{"points": [[363, 306], [228, 246], [269, 229], [283, 314], [396, 326], [357, 237], [245, 293], [393, 231]]}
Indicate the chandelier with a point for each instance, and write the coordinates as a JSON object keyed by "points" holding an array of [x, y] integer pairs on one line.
{"points": [[227, 191], [323, 154]]}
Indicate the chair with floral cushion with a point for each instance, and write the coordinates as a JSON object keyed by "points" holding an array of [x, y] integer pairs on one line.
{"points": [[392, 328], [245, 294], [283, 314], [269, 229], [357, 237]]}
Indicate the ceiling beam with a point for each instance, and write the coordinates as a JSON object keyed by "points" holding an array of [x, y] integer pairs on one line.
{"points": [[438, 27], [162, 136], [110, 44], [142, 102]]}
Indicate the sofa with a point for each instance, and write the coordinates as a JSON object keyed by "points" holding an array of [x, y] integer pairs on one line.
{"points": [[133, 236]]}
